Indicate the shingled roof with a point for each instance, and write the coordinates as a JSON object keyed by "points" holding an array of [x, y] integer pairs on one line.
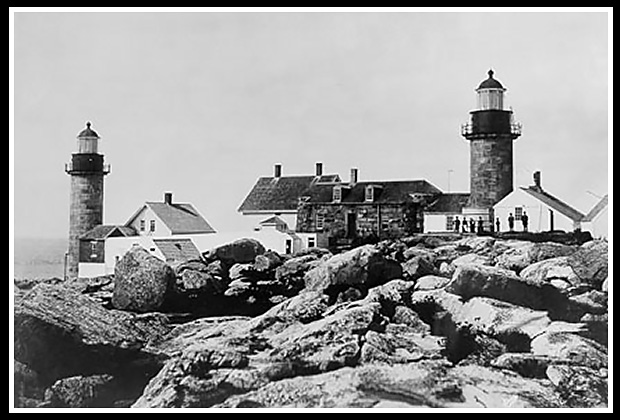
{"points": [[385, 191], [180, 218], [448, 203], [281, 194], [177, 250], [102, 232], [554, 202]]}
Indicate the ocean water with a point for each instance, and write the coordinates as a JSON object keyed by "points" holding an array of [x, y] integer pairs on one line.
{"points": [[39, 258]]}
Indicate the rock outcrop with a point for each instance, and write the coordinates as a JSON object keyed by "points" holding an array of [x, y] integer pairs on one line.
{"points": [[240, 251], [427, 321], [361, 268]]}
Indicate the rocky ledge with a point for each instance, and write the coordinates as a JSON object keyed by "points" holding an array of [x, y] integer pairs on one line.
{"points": [[426, 321]]}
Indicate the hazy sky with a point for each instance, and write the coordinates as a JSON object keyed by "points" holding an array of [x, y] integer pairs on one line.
{"points": [[202, 104]]}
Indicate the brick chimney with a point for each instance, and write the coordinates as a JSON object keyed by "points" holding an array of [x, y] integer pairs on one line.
{"points": [[354, 176], [319, 169], [537, 181], [277, 170], [168, 198]]}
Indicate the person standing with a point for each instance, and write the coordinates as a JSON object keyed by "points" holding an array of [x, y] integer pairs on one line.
{"points": [[498, 225], [511, 222], [464, 227], [457, 224], [480, 224], [524, 220], [472, 225]]}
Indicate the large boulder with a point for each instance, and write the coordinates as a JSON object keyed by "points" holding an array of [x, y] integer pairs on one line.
{"points": [[401, 344], [579, 386], [417, 267], [291, 273], [502, 320], [556, 271], [476, 280], [419, 251], [486, 387], [242, 251], [521, 254], [141, 281], [579, 350], [472, 258], [267, 262], [590, 263], [528, 365], [82, 392], [593, 302], [362, 267], [305, 307], [196, 277], [60, 333], [431, 282], [478, 244]]}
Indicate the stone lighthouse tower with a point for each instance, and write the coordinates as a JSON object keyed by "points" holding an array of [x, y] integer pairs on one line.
{"points": [[490, 131], [86, 211]]}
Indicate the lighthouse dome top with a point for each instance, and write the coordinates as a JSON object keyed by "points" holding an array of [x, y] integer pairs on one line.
{"points": [[88, 132], [490, 82]]}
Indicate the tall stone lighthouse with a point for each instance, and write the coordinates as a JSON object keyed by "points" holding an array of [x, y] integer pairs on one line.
{"points": [[490, 131], [87, 171]]}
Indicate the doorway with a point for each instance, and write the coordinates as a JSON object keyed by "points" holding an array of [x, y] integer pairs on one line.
{"points": [[351, 225]]}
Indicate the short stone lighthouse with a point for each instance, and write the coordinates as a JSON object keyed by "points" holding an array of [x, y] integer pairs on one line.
{"points": [[490, 131], [87, 170]]}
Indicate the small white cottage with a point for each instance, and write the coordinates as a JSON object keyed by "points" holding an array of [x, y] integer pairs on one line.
{"points": [[544, 211]]}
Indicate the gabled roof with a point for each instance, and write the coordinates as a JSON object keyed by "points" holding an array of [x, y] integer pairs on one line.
{"points": [[554, 202], [177, 249], [273, 220], [448, 203], [103, 232], [385, 191], [180, 218], [281, 194], [597, 209]]}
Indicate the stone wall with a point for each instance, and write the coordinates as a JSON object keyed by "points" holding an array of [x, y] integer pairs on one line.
{"points": [[372, 220], [491, 173]]}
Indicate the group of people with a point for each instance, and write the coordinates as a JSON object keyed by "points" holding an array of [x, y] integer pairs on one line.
{"points": [[477, 226]]}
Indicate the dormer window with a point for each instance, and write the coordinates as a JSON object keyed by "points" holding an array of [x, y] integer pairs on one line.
{"points": [[370, 194], [337, 194]]}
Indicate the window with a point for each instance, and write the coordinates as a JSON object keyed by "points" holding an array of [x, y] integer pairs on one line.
{"points": [[337, 194], [152, 227], [518, 213], [93, 249], [142, 225], [450, 222], [320, 221], [311, 242], [370, 193]]}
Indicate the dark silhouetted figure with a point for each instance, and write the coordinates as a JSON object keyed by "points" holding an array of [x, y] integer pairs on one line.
{"points": [[457, 224], [498, 225], [524, 220], [480, 225], [472, 225], [464, 227], [511, 222]]}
